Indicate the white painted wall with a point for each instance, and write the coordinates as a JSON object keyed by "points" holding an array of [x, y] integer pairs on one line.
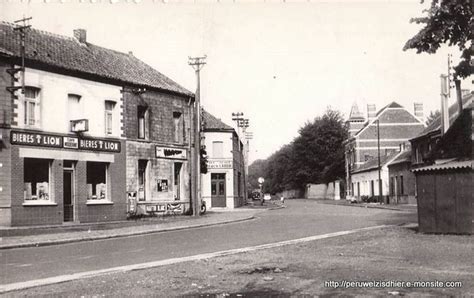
{"points": [[54, 115], [364, 179], [226, 138]]}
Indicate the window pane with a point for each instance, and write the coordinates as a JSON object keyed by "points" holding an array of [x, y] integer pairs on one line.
{"points": [[96, 180], [31, 92], [36, 179], [31, 113], [221, 188], [74, 108], [217, 149], [141, 115], [213, 188]]}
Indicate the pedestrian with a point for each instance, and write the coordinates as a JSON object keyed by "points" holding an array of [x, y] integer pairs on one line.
{"points": [[282, 199]]}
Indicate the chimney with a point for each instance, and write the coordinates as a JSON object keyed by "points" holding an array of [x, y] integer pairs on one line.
{"points": [[444, 104], [371, 112], [418, 110], [130, 53], [80, 35]]}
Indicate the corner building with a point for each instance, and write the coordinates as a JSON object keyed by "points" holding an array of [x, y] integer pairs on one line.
{"points": [[63, 148]]}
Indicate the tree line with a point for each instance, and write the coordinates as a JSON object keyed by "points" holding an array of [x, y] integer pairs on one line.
{"points": [[316, 155]]}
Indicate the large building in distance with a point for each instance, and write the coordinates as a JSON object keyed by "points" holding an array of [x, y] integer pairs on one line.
{"points": [[384, 131], [89, 125]]}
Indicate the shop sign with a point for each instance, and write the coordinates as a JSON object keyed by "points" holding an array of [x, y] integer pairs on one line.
{"points": [[44, 140], [71, 143], [167, 152], [220, 164]]}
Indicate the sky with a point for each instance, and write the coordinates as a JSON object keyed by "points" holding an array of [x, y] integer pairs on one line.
{"points": [[280, 63]]}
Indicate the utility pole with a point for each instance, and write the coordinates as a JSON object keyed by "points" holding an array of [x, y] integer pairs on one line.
{"points": [[197, 64], [378, 153], [12, 71], [243, 124]]}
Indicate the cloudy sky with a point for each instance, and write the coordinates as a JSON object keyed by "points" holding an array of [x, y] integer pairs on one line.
{"points": [[280, 63]]}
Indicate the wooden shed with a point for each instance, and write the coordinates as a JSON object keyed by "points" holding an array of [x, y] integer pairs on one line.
{"points": [[445, 203]]}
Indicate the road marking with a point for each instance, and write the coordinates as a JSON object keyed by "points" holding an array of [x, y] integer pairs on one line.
{"points": [[121, 269], [25, 265], [85, 257]]}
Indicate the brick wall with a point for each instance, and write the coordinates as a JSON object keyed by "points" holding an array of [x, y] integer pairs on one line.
{"points": [[158, 168], [160, 108], [6, 98]]}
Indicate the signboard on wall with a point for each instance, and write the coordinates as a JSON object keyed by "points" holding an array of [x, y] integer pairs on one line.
{"points": [[168, 152], [67, 142], [220, 164]]}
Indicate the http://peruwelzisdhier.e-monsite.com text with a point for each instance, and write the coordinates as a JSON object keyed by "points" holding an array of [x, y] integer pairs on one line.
{"points": [[392, 284]]}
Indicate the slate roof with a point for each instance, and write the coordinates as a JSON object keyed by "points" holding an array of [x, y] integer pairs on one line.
{"points": [[436, 124], [210, 122], [68, 54], [374, 163], [405, 156]]}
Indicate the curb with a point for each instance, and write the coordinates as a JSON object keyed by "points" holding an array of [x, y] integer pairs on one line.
{"points": [[367, 206], [103, 237]]}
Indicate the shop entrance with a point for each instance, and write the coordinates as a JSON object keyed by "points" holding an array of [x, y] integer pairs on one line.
{"points": [[218, 195], [142, 179], [177, 180], [68, 190]]}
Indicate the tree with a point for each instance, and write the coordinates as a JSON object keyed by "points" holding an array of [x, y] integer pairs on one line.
{"points": [[446, 21], [432, 117], [316, 155]]}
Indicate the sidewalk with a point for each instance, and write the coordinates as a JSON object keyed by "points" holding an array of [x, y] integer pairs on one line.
{"points": [[398, 207], [42, 236]]}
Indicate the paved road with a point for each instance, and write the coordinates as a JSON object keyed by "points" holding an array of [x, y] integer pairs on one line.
{"points": [[301, 218]]}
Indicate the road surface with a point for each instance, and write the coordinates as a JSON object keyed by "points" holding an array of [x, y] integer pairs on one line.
{"points": [[301, 218]]}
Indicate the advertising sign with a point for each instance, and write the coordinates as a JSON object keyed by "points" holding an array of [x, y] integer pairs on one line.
{"points": [[168, 152], [68, 142], [219, 164]]}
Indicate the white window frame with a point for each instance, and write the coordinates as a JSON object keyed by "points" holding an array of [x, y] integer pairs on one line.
{"points": [[218, 149], [26, 113], [106, 199], [145, 123], [109, 128]]}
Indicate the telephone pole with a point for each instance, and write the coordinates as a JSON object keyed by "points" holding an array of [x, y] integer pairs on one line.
{"points": [[12, 71], [197, 64], [242, 125]]}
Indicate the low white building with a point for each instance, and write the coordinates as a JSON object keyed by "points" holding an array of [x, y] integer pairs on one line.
{"points": [[224, 184], [365, 180]]}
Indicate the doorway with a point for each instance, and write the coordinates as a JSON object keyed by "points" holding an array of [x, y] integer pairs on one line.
{"points": [[142, 179], [177, 180], [218, 193], [68, 190]]}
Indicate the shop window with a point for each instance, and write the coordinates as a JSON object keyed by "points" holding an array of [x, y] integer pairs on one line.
{"points": [[142, 114], [109, 111], [31, 106], [36, 177], [217, 149], [97, 180], [178, 127]]}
